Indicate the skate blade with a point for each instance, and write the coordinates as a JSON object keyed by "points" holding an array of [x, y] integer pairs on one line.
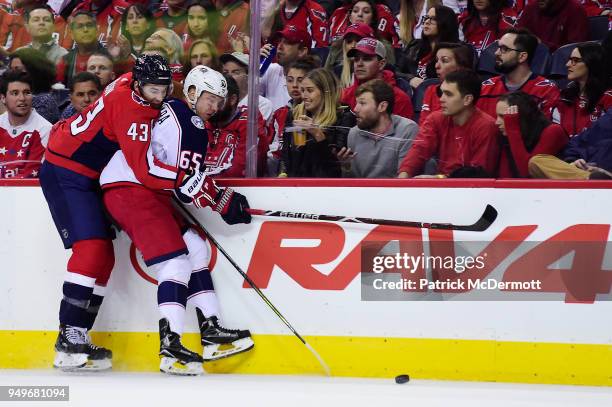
{"points": [[220, 351], [69, 362], [97, 365], [174, 367]]}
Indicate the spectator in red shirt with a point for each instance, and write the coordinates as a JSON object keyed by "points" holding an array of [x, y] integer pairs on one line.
{"points": [[440, 25], [484, 21], [108, 15], [378, 16], [460, 135], [597, 7], [556, 22], [449, 58], [526, 132], [369, 63], [85, 33], [338, 61], [585, 98], [307, 14], [517, 48]]}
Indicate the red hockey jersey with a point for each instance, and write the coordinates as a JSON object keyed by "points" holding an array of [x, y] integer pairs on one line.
{"points": [[22, 147], [310, 16], [232, 19], [226, 154], [387, 26], [431, 103], [545, 92], [481, 36], [574, 117], [596, 7], [120, 119]]}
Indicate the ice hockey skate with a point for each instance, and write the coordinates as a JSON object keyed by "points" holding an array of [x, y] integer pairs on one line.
{"points": [[175, 358], [74, 351], [219, 342]]}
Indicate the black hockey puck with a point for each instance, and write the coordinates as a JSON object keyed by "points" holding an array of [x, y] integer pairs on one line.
{"points": [[401, 379]]}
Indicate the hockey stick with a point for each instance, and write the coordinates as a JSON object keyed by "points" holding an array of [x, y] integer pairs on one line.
{"points": [[194, 221], [488, 217]]}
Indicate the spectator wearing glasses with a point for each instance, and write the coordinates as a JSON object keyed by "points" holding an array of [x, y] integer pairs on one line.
{"points": [[369, 63], [513, 58], [440, 25], [556, 22], [484, 21], [85, 34], [449, 58], [585, 98], [107, 14], [526, 132], [411, 17]]}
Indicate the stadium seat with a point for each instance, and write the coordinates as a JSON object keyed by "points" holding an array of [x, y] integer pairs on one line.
{"points": [[419, 93], [322, 53], [404, 85], [598, 27], [559, 60], [539, 64]]}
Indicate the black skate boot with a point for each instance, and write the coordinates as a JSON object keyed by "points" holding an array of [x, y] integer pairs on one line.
{"points": [[175, 358], [99, 358], [71, 350], [220, 342]]}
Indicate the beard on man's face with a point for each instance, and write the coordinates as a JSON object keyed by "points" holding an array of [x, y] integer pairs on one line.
{"points": [[224, 114], [506, 67]]}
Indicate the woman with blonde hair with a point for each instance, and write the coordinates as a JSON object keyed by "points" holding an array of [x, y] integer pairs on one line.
{"points": [[322, 129], [169, 42], [202, 52]]}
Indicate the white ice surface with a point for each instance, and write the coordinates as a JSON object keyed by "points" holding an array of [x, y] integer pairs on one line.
{"points": [[115, 389]]}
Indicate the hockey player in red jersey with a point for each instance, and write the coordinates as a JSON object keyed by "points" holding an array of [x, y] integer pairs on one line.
{"points": [[78, 149], [177, 254], [516, 50]]}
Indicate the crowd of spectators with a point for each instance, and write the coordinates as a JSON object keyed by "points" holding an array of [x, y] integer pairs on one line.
{"points": [[355, 88]]}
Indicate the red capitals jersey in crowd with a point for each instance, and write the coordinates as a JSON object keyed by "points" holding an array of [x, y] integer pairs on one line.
{"points": [[226, 154], [108, 19], [22, 147], [431, 103], [574, 117], [387, 26], [311, 16], [276, 131], [481, 36], [596, 7], [545, 92], [120, 119]]}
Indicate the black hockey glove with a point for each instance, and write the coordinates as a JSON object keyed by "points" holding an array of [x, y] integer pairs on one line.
{"points": [[233, 207]]}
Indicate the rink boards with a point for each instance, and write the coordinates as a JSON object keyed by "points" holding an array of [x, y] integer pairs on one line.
{"points": [[311, 271]]}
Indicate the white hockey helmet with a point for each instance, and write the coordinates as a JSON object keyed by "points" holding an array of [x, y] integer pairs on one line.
{"points": [[204, 79]]}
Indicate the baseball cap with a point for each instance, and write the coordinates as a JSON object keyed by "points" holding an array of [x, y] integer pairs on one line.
{"points": [[360, 29], [238, 57], [294, 35], [369, 46]]}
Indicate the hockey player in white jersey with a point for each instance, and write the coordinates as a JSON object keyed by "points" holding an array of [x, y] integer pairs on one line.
{"points": [[168, 244]]}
